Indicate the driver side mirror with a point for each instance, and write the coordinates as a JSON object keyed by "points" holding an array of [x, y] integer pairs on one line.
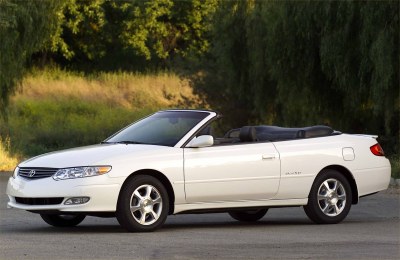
{"points": [[201, 141]]}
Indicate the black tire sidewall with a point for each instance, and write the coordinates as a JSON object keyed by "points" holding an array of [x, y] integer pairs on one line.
{"points": [[313, 210], [124, 215]]}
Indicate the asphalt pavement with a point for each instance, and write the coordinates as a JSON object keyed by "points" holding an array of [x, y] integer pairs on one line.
{"points": [[371, 231]]}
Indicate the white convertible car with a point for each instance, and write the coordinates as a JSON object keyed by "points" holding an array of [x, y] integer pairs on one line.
{"points": [[170, 162]]}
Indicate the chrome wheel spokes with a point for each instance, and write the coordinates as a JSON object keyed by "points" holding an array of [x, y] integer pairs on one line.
{"points": [[331, 197], [146, 204]]}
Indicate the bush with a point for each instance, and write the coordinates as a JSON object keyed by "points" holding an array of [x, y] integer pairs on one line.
{"points": [[395, 162]]}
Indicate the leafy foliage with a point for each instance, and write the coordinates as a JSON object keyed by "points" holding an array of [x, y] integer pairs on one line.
{"points": [[141, 30], [24, 28], [306, 62], [79, 23]]}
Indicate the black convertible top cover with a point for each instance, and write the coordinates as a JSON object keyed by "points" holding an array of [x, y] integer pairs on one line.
{"points": [[276, 133]]}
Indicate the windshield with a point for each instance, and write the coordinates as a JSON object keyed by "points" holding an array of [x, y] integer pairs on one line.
{"points": [[162, 128]]}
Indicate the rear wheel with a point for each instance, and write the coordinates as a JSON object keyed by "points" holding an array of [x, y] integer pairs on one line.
{"points": [[330, 198], [143, 204], [62, 220], [248, 215]]}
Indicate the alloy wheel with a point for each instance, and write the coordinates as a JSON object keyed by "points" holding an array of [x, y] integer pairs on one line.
{"points": [[331, 197], [146, 204]]}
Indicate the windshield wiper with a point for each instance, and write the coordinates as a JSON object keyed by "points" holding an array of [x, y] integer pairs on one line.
{"points": [[129, 142], [123, 142]]}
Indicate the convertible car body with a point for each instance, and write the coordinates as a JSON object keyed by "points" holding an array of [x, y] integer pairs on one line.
{"points": [[170, 162]]}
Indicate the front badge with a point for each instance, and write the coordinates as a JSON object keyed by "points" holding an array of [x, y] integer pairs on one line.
{"points": [[31, 173]]}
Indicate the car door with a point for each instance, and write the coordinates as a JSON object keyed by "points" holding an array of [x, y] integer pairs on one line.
{"points": [[231, 172]]}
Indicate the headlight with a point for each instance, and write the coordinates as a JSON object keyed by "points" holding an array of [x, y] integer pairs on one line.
{"points": [[15, 172], [80, 172]]}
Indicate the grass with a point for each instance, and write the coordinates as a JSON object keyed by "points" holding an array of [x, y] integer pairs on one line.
{"points": [[128, 90], [7, 161], [55, 109]]}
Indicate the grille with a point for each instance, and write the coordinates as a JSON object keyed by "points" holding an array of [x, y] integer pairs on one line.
{"points": [[36, 173], [39, 201]]}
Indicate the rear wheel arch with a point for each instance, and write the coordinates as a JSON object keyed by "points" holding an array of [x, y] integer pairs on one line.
{"points": [[159, 176], [348, 175]]}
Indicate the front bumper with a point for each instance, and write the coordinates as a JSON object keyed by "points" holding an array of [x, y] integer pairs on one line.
{"points": [[102, 190]]}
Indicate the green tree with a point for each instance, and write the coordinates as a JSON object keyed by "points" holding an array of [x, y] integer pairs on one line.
{"points": [[25, 26], [226, 67], [79, 31], [360, 55], [162, 28], [133, 31], [307, 62]]}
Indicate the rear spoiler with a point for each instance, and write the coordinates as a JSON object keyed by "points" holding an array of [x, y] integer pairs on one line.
{"points": [[370, 136]]}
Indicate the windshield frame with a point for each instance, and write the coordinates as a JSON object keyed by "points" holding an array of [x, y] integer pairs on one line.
{"points": [[186, 136]]}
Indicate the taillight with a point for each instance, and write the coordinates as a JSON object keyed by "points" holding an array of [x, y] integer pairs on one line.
{"points": [[377, 150]]}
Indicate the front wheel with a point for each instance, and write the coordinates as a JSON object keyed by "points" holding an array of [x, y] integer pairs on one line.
{"points": [[143, 204], [62, 220], [248, 215], [330, 198]]}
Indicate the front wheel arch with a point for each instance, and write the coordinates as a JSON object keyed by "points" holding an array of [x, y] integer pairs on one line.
{"points": [[159, 176]]}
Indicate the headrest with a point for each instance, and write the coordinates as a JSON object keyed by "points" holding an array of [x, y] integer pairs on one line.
{"points": [[248, 134], [233, 133]]}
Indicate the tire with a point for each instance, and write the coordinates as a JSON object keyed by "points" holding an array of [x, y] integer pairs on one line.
{"points": [[330, 198], [143, 204], [248, 215], [62, 220]]}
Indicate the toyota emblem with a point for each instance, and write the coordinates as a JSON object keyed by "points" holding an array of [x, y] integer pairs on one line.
{"points": [[31, 173]]}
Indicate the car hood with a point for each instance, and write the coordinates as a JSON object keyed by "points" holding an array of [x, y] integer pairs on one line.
{"points": [[101, 154]]}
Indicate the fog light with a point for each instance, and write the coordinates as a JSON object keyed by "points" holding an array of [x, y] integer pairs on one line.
{"points": [[76, 200]]}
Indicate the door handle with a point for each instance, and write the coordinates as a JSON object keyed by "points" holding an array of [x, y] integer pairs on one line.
{"points": [[268, 156]]}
